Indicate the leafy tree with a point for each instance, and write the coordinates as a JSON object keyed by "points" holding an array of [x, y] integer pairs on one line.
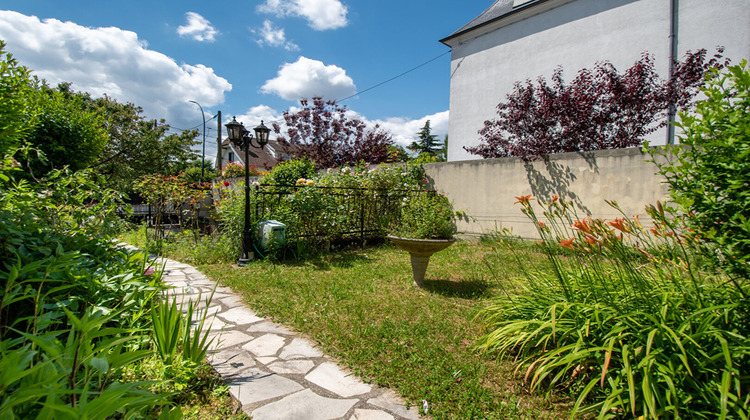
{"points": [[66, 132], [323, 132], [443, 153], [599, 109], [426, 143], [709, 173], [397, 153], [138, 146], [16, 101]]}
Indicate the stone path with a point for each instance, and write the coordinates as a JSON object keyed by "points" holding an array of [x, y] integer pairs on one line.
{"points": [[273, 372]]}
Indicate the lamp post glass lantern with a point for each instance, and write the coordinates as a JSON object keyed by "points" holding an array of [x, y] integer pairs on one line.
{"points": [[241, 137]]}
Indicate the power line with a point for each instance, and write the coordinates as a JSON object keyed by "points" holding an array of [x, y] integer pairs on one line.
{"points": [[359, 92], [395, 77]]}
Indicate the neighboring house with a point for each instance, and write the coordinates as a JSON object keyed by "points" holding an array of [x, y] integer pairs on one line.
{"points": [[264, 159], [517, 40]]}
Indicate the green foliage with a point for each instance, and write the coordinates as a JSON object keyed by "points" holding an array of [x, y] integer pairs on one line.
{"points": [[322, 208], [137, 146], [192, 175], [174, 331], [427, 144], [426, 215], [709, 172], [288, 172], [16, 102], [66, 132], [624, 322]]}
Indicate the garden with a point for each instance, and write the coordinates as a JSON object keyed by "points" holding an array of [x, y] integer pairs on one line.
{"points": [[598, 318], [595, 318]]}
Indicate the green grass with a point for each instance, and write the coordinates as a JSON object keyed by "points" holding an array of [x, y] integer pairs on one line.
{"points": [[362, 307]]}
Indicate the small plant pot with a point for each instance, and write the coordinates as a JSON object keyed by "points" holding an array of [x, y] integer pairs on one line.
{"points": [[420, 251]]}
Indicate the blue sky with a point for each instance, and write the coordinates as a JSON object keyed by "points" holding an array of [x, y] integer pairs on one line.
{"points": [[253, 59]]}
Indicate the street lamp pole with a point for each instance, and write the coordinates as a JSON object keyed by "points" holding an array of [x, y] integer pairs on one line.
{"points": [[203, 156], [242, 138]]}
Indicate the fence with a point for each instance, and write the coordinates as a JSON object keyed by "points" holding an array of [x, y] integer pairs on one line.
{"points": [[327, 212]]}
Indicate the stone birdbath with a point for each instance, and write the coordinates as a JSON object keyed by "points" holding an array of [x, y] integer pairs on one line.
{"points": [[420, 251]]}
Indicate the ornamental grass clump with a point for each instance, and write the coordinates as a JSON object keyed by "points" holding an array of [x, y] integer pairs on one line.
{"points": [[624, 322]]}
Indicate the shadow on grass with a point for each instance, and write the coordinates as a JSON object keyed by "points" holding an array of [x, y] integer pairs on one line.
{"points": [[465, 289]]}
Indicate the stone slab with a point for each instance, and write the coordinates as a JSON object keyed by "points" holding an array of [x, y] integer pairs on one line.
{"points": [[362, 414], [304, 405], [329, 376], [240, 316], [300, 348], [265, 345], [254, 386], [228, 339], [299, 367], [230, 363], [388, 400]]}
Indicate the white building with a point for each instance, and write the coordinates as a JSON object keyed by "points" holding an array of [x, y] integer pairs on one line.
{"points": [[524, 39]]}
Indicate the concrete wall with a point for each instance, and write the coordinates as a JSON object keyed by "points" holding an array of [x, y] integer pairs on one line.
{"points": [[485, 189], [576, 34]]}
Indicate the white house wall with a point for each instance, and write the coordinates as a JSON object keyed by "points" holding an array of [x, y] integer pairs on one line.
{"points": [[574, 35]]}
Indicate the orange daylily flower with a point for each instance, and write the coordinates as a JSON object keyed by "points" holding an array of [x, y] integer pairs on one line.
{"points": [[567, 243], [583, 226], [590, 240], [524, 199], [620, 225]]}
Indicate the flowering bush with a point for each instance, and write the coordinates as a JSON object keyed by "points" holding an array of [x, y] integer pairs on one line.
{"points": [[623, 321], [236, 170], [426, 215]]}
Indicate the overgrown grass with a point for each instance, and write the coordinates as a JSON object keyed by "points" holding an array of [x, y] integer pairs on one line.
{"points": [[361, 306]]}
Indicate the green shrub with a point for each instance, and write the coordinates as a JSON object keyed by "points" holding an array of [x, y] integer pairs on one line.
{"points": [[708, 172], [427, 215], [624, 323], [288, 172]]}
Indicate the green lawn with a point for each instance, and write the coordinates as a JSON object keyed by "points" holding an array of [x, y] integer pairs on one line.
{"points": [[362, 307]]}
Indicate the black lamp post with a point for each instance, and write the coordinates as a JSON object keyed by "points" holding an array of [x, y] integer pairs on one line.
{"points": [[242, 138]]}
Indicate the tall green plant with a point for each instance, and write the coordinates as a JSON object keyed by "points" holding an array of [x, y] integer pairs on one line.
{"points": [[624, 322], [708, 172]]}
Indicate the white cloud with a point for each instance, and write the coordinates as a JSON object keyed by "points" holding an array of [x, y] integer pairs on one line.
{"points": [[112, 61], [198, 28], [307, 78], [320, 14], [405, 131], [275, 37]]}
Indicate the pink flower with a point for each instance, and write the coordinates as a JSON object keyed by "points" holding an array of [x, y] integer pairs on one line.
{"points": [[149, 272]]}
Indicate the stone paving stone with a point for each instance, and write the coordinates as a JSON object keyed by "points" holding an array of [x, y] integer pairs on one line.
{"points": [[269, 327], [265, 345], [304, 405], [292, 366], [329, 376], [240, 316], [266, 360], [390, 401], [361, 414], [228, 339], [231, 362], [300, 348], [255, 385], [233, 302]]}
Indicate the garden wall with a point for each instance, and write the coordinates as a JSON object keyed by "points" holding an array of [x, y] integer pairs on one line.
{"points": [[485, 189]]}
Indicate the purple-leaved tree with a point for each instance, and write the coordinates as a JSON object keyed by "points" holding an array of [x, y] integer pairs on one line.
{"points": [[323, 132], [599, 109]]}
